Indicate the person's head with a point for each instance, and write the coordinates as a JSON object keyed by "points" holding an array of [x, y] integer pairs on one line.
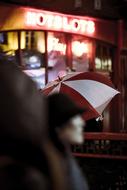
{"points": [[20, 104], [72, 131], [23, 134], [65, 118]]}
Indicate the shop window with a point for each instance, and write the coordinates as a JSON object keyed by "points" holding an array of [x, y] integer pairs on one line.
{"points": [[56, 49], [81, 53], [103, 64], [8, 43], [33, 40], [103, 58], [33, 52]]}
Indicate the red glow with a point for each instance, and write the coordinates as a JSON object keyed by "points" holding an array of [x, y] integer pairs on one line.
{"points": [[65, 23]]}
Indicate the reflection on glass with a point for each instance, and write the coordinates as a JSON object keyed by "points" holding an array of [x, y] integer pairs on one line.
{"points": [[56, 54], [33, 50], [37, 75], [32, 59]]}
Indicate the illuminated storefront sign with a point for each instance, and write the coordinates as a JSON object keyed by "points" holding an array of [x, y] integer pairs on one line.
{"points": [[78, 48], [48, 21], [55, 45]]}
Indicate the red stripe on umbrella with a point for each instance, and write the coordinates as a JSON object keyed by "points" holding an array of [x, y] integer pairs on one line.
{"points": [[46, 91], [88, 89], [91, 76]]}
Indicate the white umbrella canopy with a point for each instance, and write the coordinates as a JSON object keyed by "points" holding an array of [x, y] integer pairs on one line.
{"points": [[88, 89]]}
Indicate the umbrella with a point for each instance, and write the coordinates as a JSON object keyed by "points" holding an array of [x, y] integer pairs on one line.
{"points": [[89, 89]]}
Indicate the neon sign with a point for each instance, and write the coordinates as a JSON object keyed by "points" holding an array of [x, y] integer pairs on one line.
{"points": [[79, 48], [54, 44], [59, 22]]}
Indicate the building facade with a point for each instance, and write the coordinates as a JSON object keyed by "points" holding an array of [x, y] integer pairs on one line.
{"points": [[47, 43]]}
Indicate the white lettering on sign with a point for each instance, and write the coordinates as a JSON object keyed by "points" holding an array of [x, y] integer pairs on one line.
{"points": [[64, 23], [54, 44]]}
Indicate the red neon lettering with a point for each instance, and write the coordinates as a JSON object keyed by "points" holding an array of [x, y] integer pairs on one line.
{"points": [[83, 24], [40, 19], [58, 22], [54, 44], [75, 25], [90, 27], [31, 18], [49, 20], [66, 25]]}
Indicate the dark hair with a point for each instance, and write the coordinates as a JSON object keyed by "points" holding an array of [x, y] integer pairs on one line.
{"points": [[23, 134], [61, 109]]}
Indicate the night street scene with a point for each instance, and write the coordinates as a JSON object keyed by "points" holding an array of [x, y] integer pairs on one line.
{"points": [[63, 95]]}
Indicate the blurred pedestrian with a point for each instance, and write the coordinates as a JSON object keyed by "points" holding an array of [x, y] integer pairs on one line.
{"points": [[66, 128], [28, 160]]}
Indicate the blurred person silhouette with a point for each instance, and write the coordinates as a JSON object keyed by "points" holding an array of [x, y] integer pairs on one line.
{"points": [[66, 129], [26, 161]]}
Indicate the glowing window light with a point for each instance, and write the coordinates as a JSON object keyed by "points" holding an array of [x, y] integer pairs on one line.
{"points": [[103, 64], [79, 48], [23, 34], [54, 44], [98, 63], [110, 64]]}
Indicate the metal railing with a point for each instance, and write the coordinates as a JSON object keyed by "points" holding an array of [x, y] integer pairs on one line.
{"points": [[103, 159]]}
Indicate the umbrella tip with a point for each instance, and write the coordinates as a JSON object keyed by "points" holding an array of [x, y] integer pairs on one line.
{"points": [[61, 74], [60, 78]]}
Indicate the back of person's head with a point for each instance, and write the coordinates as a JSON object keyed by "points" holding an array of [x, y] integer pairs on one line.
{"points": [[20, 102], [65, 121], [61, 109], [22, 126], [23, 134]]}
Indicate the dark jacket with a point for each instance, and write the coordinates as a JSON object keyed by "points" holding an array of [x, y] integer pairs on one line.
{"points": [[26, 167], [76, 180]]}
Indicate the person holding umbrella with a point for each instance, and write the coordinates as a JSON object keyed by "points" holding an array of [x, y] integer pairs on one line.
{"points": [[66, 128]]}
